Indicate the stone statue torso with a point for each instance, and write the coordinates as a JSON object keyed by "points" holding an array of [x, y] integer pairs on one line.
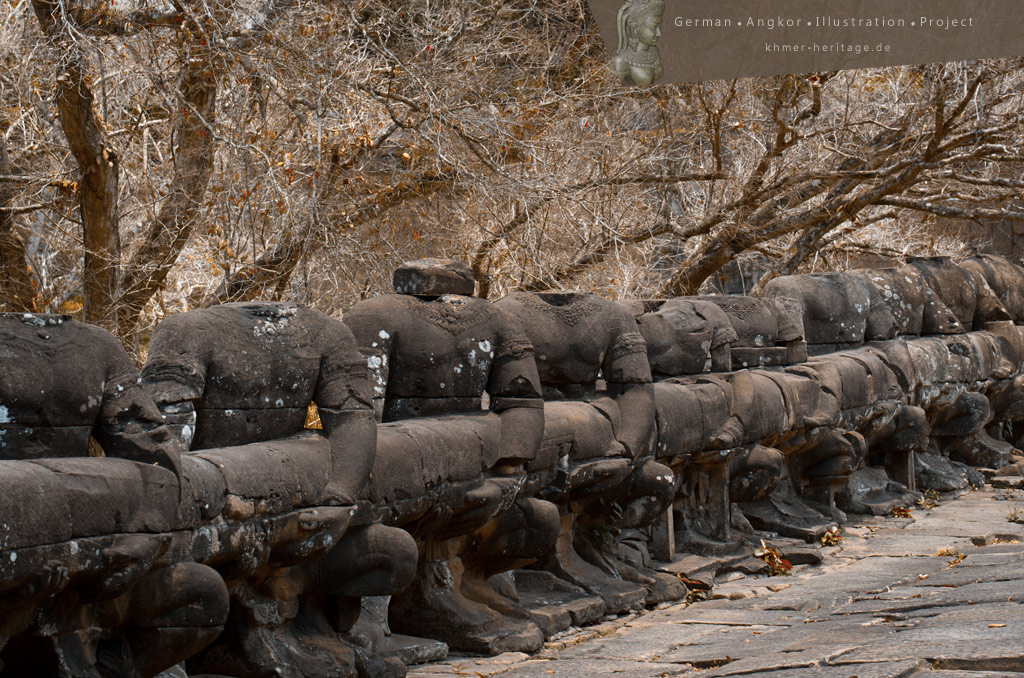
{"points": [[580, 337], [48, 412], [253, 369], [440, 354], [64, 381]]}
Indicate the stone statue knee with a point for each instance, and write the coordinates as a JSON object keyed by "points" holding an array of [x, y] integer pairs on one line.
{"points": [[372, 560], [171, 614]]}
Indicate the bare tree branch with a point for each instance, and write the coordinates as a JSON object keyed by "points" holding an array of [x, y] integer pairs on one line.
{"points": [[15, 278]]}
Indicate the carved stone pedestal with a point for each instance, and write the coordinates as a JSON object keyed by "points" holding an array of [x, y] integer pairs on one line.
{"points": [[871, 491], [618, 595], [554, 603], [438, 605], [786, 513], [373, 632]]}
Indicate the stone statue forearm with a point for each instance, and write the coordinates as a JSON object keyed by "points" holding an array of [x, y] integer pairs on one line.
{"points": [[637, 426], [721, 358], [516, 396], [181, 420], [353, 437], [130, 426], [522, 429], [147, 444]]}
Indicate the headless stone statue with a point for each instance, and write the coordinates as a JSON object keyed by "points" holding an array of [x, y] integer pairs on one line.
{"points": [[238, 380], [245, 372], [699, 427], [1005, 278], [438, 353], [834, 307], [686, 336], [435, 354], [87, 594], [636, 60], [965, 291], [577, 339], [49, 413], [769, 332]]}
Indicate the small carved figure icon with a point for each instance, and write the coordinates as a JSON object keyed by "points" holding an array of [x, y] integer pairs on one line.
{"points": [[639, 25]]}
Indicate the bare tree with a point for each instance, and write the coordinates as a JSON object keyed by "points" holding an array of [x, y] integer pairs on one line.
{"points": [[266, 148]]}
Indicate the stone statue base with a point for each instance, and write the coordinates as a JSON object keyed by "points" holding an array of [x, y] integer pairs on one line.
{"points": [[870, 491], [566, 563], [371, 631], [441, 604], [939, 474], [554, 603], [789, 515]]}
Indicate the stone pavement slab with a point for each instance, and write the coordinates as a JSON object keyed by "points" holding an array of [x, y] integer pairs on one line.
{"points": [[899, 598]]}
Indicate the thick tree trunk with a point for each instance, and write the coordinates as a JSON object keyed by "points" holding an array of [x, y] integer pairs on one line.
{"points": [[16, 292], [98, 163], [170, 231], [712, 256], [97, 195]]}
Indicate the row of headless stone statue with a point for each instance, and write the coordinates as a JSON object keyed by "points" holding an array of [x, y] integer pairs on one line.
{"points": [[482, 474]]}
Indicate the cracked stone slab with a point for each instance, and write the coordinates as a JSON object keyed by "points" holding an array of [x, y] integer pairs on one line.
{"points": [[663, 642], [1008, 482], [899, 669], [727, 617], [812, 663], [729, 649], [457, 665], [545, 668], [976, 574], [986, 636], [920, 599], [954, 673]]}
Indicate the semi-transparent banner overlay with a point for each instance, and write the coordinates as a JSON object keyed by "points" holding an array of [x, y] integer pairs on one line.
{"points": [[659, 41]]}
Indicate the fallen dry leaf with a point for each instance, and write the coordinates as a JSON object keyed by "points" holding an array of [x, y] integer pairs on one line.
{"points": [[832, 537]]}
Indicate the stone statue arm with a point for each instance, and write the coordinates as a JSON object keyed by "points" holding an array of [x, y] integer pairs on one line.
{"points": [[721, 358], [175, 375], [130, 425], [789, 314], [374, 330], [637, 426], [829, 406], [722, 338], [988, 307], [628, 374], [515, 395], [353, 438], [343, 401]]}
